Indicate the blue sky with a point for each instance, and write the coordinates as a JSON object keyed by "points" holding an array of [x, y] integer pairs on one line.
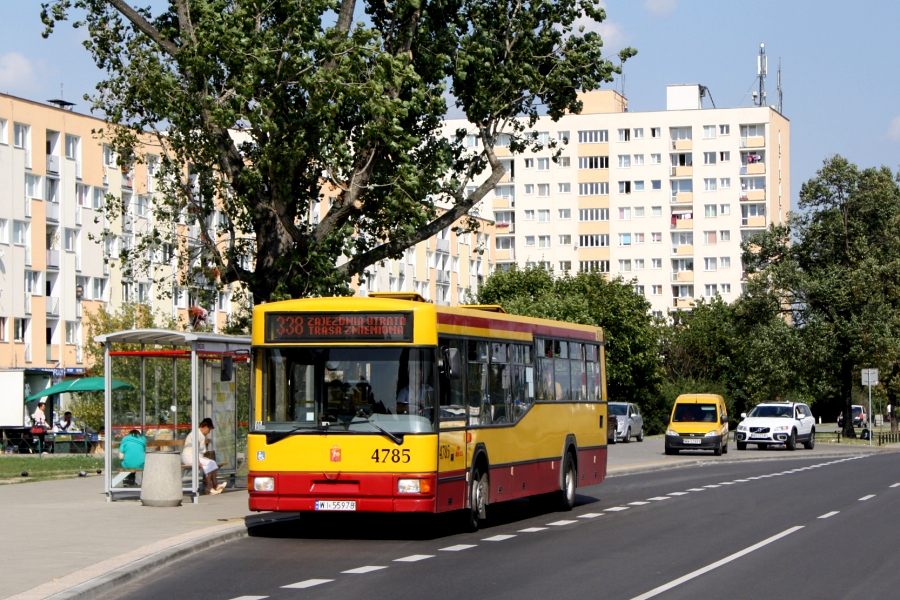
{"points": [[839, 72]]}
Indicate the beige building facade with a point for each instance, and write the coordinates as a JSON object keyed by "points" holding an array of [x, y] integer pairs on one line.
{"points": [[662, 197]]}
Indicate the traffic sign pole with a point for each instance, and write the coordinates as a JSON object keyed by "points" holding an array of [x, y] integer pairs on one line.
{"points": [[869, 378]]}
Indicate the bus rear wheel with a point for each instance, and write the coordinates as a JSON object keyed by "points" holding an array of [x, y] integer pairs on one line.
{"points": [[478, 494], [570, 481]]}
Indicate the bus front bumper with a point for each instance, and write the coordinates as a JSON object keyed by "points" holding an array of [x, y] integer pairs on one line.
{"points": [[371, 492]]}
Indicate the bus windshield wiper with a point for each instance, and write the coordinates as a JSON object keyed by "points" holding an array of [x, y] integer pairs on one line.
{"points": [[394, 438], [273, 437]]}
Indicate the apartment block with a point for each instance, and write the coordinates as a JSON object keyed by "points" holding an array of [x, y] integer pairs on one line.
{"points": [[660, 197]]}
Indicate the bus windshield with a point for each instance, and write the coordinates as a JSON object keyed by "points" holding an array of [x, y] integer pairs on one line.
{"points": [[349, 389]]}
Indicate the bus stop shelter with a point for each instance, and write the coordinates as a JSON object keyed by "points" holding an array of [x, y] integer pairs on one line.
{"points": [[178, 378]]}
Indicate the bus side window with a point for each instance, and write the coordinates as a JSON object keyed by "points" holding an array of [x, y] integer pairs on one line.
{"points": [[576, 362], [563, 387], [590, 365], [499, 409], [478, 388], [452, 409]]}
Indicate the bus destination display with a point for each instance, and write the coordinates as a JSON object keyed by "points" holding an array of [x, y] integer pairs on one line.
{"points": [[339, 327]]}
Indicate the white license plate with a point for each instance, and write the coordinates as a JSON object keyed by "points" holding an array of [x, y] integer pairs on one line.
{"points": [[335, 504], [690, 441], [758, 436]]}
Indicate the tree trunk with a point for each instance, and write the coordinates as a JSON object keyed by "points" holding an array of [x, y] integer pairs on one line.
{"points": [[847, 396], [891, 386]]}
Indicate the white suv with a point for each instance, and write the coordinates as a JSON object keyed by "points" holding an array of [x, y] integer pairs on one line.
{"points": [[781, 423]]}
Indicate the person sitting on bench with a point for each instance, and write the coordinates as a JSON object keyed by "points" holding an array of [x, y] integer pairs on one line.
{"points": [[208, 465], [132, 452]]}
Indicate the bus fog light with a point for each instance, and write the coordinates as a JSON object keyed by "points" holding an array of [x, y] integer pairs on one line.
{"points": [[263, 484], [412, 486]]}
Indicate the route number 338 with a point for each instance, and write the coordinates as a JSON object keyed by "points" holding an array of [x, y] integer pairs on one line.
{"points": [[395, 455]]}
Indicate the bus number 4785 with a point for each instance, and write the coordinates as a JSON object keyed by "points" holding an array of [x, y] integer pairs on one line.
{"points": [[395, 455]]}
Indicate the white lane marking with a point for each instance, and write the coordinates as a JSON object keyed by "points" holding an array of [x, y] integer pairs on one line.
{"points": [[864, 498], [456, 548], [717, 564], [829, 514], [561, 523], [727, 483], [414, 558], [741, 480], [659, 498], [302, 585], [715, 485], [689, 490], [639, 503], [498, 538], [895, 485], [362, 570], [590, 515], [679, 493], [532, 530], [249, 598], [616, 508]]}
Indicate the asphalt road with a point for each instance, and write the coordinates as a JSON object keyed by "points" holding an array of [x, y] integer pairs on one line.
{"points": [[814, 526]]}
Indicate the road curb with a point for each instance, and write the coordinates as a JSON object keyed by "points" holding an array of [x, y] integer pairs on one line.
{"points": [[115, 577]]}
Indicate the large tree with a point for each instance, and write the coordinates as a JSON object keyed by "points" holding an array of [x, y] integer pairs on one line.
{"points": [[633, 364], [260, 104], [833, 270]]}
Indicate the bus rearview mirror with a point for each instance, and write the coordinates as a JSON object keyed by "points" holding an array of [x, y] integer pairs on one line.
{"points": [[452, 365]]}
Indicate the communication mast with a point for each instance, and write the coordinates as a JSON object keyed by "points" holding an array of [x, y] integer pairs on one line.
{"points": [[762, 68], [779, 88]]}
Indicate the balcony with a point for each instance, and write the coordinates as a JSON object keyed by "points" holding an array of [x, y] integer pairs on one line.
{"points": [[683, 303], [753, 142], [52, 211], [683, 250], [753, 222], [52, 353], [686, 276], [753, 196], [53, 259], [754, 169], [52, 304], [52, 163], [683, 198], [682, 144], [442, 276], [687, 171], [503, 203], [27, 303], [128, 180], [443, 245], [505, 227], [683, 224]]}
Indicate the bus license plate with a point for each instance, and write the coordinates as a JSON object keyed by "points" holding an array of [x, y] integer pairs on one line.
{"points": [[335, 505], [690, 441]]}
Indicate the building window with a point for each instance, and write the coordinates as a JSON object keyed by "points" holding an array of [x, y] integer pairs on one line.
{"points": [[3, 319], [638, 160], [529, 163], [33, 186], [656, 184], [639, 264], [544, 215], [726, 288], [709, 158], [725, 262], [542, 137], [725, 183], [3, 140], [529, 215], [709, 237], [4, 231], [563, 162], [724, 209], [680, 133], [725, 235], [639, 238], [543, 190], [593, 189], [503, 140], [543, 164], [624, 239], [753, 183], [73, 145], [709, 184], [20, 233], [639, 186], [758, 130], [565, 240], [624, 161], [563, 136], [472, 141], [72, 332], [593, 136], [593, 162], [21, 136], [724, 156], [625, 265], [709, 290], [655, 132], [595, 240], [709, 211], [656, 237], [624, 213], [71, 240], [99, 290], [98, 200], [638, 133], [543, 241], [564, 188], [529, 240], [143, 291], [593, 266], [565, 265], [529, 189], [656, 290], [593, 214], [638, 212], [503, 243], [624, 187], [656, 263], [20, 327], [710, 264], [724, 129], [656, 159], [709, 131], [564, 213], [656, 211]]}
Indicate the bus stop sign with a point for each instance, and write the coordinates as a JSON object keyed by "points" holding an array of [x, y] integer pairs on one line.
{"points": [[870, 376]]}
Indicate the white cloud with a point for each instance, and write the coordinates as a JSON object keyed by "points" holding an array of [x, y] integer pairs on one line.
{"points": [[893, 131], [660, 8], [612, 33], [17, 73]]}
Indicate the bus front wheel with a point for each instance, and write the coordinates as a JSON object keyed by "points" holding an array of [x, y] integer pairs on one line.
{"points": [[478, 494], [570, 481]]}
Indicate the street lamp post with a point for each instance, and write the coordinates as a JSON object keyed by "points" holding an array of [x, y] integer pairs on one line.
{"points": [[869, 378]]}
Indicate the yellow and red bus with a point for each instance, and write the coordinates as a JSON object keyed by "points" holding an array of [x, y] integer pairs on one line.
{"points": [[389, 403]]}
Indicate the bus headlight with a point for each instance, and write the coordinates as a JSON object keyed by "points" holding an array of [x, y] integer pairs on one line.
{"points": [[413, 486], [263, 484]]}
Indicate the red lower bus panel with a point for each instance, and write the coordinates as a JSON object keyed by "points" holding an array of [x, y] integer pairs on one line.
{"points": [[452, 489], [371, 492], [591, 466]]}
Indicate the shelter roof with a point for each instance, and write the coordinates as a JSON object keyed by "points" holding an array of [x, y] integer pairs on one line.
{"points": [[168, 337]]}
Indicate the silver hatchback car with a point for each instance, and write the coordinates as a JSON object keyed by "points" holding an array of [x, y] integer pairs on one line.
{"points": [[631, 423]]}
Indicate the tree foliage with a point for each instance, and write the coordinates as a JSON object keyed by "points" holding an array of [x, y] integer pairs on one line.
{"points": [[836, 280], [632, 359], [259, 105]]}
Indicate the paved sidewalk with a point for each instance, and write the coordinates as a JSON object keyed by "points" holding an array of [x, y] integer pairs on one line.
{"points": [[63, 535]]}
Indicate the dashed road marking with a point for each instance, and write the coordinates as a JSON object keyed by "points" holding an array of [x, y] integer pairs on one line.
{"points": [[457, 548], [895, 485], [302, 585], [659, 498], [691, 490], [250, 598], [677, 493], [829, 514], [864, 498], [590, 515], [362, 570], [414, 558], [532, 530], [714, 485], [727, 483], [638, 503], [561, 523], [498, 538], [616, 508], [741, 480]]}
